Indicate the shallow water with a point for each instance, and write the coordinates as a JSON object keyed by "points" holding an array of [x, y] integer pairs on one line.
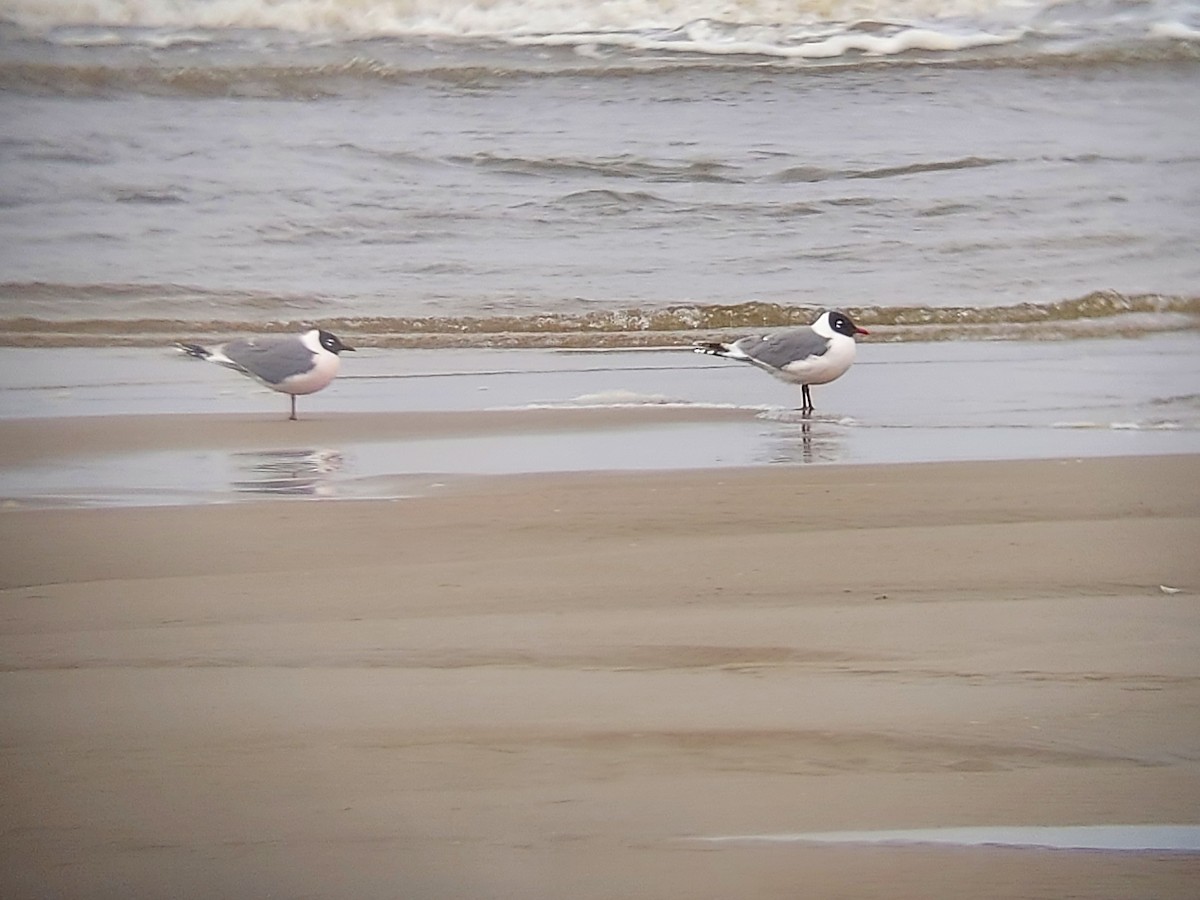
{"points": [[899, 403], [1177, 838]]}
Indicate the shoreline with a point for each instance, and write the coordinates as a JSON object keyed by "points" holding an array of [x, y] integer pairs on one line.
{"points": [[116, 426], [189, 460], [1096, 315]]}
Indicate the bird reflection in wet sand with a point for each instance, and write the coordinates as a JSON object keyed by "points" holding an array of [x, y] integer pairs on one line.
{"points": [[819, 442], [291, 473]]}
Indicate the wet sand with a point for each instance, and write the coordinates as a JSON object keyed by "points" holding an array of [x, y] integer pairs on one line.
{"points": [[138, 426], [549, 685]]}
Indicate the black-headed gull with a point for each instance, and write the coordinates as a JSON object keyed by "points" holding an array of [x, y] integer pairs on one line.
{"points": [[291, 364], [813, 354]]}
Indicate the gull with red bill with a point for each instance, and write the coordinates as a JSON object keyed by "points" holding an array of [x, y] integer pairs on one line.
{"points": [[813, 354], [291, 364]]}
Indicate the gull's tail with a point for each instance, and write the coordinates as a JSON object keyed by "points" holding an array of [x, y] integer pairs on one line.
{"points": [[193, 350], [718, 348], [712, 348]]}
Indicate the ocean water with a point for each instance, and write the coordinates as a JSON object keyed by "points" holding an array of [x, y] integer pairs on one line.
{"points": [[521, 173]]}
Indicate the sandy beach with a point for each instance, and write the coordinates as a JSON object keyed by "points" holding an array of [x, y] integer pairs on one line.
{"points": [[561, 685]]}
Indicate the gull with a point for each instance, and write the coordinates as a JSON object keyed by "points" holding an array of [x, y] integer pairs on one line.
{"points": [[291, 364], [813, 354]]}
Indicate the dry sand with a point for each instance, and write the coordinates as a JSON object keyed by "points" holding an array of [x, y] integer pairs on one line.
{"points": [[542, 687]]}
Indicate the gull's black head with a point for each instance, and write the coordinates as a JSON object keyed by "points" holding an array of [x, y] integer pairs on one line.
{"points": [[840, 322], [331, 342]]}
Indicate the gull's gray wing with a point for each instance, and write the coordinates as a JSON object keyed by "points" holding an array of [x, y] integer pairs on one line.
{"points": [[779, 349], [270, 359]]}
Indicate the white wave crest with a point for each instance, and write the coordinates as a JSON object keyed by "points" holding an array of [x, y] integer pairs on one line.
{"points": [[786, 29], [707, 39], [1175, 31], [498, 18]]}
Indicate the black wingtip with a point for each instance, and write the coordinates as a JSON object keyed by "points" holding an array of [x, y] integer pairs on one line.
{"points": [[193, 350]]}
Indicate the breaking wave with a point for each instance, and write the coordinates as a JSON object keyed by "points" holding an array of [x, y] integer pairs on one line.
{"points": [[156, 316], [361, 73], [314, 48]]}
